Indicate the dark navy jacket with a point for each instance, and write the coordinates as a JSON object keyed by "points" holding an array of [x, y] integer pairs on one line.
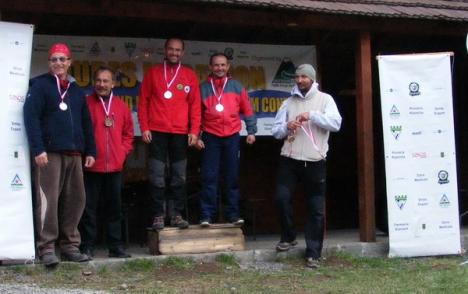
{"points": [[50, 129]]}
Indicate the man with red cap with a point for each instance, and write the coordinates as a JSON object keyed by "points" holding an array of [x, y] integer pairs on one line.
{"points": [[169, 116], [59, 133]]}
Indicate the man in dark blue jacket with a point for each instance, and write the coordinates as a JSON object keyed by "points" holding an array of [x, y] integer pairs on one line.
{"points": [[59, 133]]}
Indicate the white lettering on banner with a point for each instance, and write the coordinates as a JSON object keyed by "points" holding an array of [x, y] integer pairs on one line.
{"points": [[16, 220], [266, 71], [421, 140]]}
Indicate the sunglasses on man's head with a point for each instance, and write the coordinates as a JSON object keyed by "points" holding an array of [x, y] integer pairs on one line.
{"points": [[61, 59]]}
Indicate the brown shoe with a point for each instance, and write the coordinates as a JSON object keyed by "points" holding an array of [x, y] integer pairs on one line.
{"points": [[158, 223], [179, 222]]}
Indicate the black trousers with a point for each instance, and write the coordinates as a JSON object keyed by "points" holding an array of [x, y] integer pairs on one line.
{"points": [[166, 146], [104, 188], [312, 175]]}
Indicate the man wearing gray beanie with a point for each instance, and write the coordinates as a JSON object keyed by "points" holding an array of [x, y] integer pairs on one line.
{"points": [[304, 122]]}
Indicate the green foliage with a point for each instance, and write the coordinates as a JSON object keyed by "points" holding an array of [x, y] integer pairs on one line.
{"points": [[227, 259], [178, 262]]}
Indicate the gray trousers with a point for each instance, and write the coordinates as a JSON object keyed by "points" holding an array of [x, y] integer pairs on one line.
{"points": [[60, 200]]}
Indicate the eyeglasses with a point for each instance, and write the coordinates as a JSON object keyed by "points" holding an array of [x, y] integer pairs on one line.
{"points": [[56, 59]]}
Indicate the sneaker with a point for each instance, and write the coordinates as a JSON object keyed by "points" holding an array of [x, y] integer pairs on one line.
{"points": [[158, 223], [205, 223], [49, 259], [179, 222], [285, 246], [74, 256], [312, 262], [237, 221], [118, 252]]}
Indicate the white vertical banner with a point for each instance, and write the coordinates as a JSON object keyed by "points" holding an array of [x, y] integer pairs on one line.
{"points": [[16, 218], [420, 162]]}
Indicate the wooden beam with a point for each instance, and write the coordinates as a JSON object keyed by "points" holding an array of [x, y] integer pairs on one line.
{"points": [[242, 16], [365, 138]]}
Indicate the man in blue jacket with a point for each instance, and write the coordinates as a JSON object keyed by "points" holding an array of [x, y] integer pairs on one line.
{"points": [[59, 133]]}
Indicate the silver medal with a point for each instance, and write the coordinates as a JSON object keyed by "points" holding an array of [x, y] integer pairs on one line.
{"points": [[219, 107], [63, 106], [168, 94]]}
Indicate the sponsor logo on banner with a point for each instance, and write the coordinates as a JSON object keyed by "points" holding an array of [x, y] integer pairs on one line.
{"points": [[443, 177], [130, 48], [17, 98], [78, 48], [398, 154], [419, 155], [444, 201], [414, 89], [420, 177], [400, 201], [15, 126], [445, 225], [439, 110], [423, 201], [416, 110], [396, 131], [147, 52], [16, 184], [95, 49], [229, 52], [394, 112], [401, 226], [285, 73]]}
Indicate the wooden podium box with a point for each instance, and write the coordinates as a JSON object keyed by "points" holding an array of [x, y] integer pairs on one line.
{"points": [[195, 239]]}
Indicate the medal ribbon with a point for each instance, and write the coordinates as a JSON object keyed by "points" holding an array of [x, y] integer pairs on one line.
{"points": [[168, 85], [218, 97], [311, 137], [62, 95], [107, 110]]}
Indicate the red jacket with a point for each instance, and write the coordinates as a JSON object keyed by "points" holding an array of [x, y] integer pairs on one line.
{"points": [[113, 143], [235, 101], [179, 114]]}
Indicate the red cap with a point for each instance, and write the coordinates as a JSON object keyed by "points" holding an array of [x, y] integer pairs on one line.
{"points": [[59, 48]]}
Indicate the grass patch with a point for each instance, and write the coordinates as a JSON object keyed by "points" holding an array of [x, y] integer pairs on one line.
{"points": [[138, 265], [178, 262], [227, 259]]}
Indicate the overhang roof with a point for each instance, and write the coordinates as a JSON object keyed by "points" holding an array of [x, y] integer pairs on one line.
{"points": [[448, 10]]}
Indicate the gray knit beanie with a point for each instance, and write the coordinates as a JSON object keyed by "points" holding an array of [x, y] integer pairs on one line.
{"points": [[307, 70]]}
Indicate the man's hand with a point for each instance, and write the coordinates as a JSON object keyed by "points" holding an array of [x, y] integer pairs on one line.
{"points": [[250, 139], [192, 139], [89, 161], [293, 125], [302, 117], [146, 137], [41, 160], [199, 145]]}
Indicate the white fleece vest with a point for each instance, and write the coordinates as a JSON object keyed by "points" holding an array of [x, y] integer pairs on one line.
{"points": [[302, 148]]}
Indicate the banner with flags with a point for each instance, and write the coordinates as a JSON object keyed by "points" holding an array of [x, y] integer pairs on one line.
{"points": [[420, 161], [16, 220]]}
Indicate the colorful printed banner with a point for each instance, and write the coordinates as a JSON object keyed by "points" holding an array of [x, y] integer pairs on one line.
{"points": [[16, 221], [267, 71], [420, 162]]}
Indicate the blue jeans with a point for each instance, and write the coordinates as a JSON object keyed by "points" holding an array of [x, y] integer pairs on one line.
{"points": [[221, 153], [312, 175]]}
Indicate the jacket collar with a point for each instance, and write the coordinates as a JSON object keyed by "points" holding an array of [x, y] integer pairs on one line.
{"points": [[295, 92]]}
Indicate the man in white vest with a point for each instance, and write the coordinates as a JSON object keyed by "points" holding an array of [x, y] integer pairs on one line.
{"points": [[304, 121]]}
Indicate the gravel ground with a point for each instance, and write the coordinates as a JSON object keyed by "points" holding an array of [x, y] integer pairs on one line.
{"points": [[16, 288]]}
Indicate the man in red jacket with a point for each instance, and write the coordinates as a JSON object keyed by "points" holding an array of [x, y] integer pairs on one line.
{"points": [[223, 101], [113, 132], [169, 116]]}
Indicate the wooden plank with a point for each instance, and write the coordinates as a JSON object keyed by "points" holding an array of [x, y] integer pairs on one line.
{"points": [[195, 239], [365, 138]]}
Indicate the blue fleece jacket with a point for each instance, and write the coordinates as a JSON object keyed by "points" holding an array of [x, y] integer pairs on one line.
{"points": [[49, 128]]}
